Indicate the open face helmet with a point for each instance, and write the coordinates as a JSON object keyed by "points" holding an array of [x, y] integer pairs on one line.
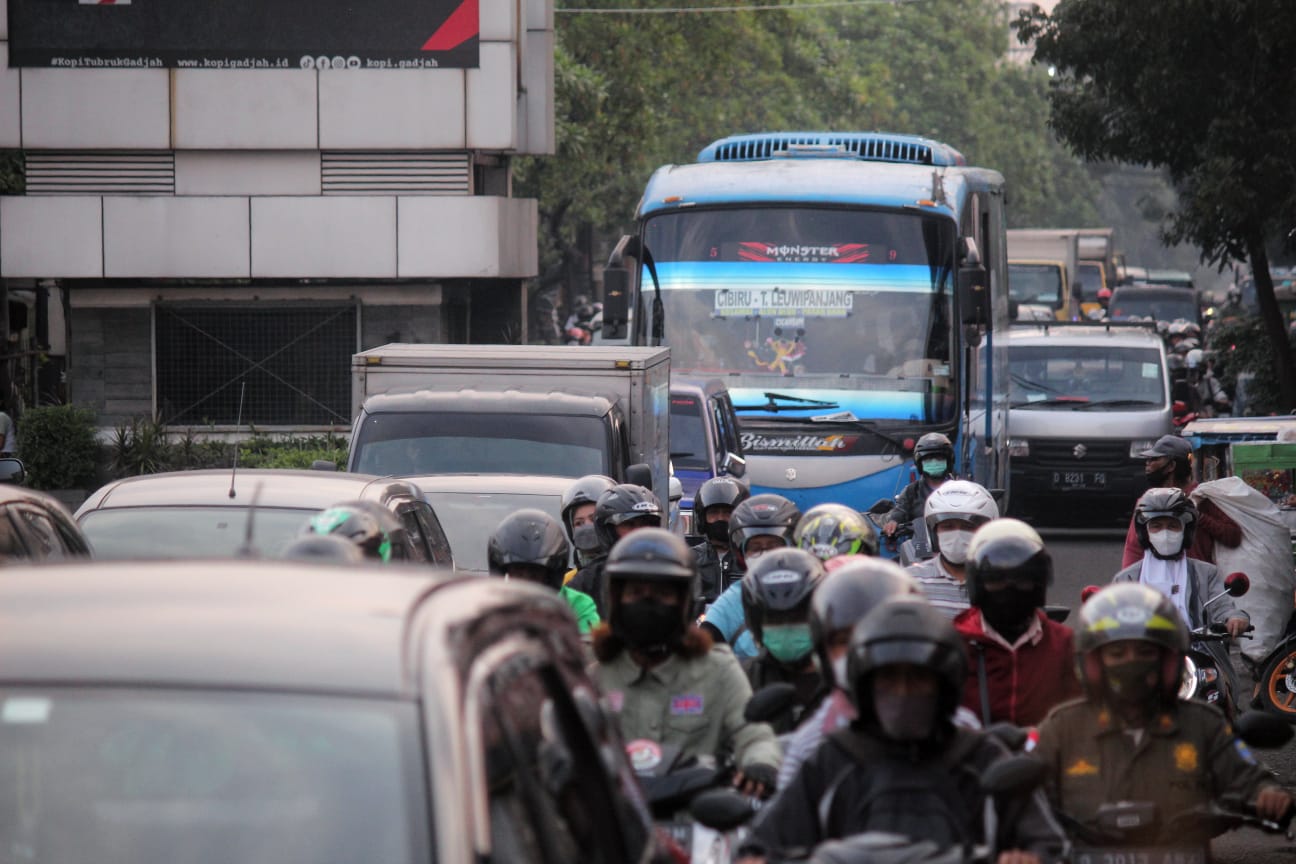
{"points": [[958, 500], [1165, 502], [761, 515], [934, 455]]}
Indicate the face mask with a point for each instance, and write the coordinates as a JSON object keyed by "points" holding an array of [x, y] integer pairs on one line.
{"points": [[1167, 543], [788, 643], [584, 538], [1130, 683], [935, 467], [909, 717], [718, 532], [839, 671], [646, 624], [954, 545], [1008, 611]]}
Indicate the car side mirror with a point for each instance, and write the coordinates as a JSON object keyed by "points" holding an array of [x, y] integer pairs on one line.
{"points": [[616, 302], [1263, 730], [640, 475], [1013, 775], [733, 465], [12, 470]]}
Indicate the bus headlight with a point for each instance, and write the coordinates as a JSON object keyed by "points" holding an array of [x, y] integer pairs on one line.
{"points": [[1019, 447]]}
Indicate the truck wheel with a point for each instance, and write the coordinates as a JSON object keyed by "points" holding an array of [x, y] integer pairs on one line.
{"points": [[1278, 684]]}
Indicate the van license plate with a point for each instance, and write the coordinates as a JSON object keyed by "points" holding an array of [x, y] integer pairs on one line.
{"points": [[1079, 479]]}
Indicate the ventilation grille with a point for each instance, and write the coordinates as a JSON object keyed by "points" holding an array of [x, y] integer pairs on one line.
{"points": [[70, 173], [873, 147], [351, 173]]}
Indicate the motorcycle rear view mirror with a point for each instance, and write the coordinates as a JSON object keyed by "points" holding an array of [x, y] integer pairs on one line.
{"points": [[881, 506], [769, 702], [1058, 613], [1263, 730], [1015, 774], [721, 809], [1237, 584], [1088, 591]]}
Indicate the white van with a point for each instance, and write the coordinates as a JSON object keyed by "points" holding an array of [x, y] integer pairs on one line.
{"points": [[1085, 400]]}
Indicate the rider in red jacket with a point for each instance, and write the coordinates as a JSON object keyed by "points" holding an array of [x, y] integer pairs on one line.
{"points": [[1020, 663]]}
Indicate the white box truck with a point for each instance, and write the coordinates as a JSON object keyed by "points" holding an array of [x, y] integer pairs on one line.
{"points": [[1042, 268], [512, 409]]}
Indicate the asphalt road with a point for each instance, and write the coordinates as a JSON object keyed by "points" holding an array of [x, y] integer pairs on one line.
{"points": [[1092, 557]]}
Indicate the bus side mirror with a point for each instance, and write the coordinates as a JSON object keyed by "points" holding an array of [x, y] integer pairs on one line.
{"points": [[616, 302], [974, 295]]}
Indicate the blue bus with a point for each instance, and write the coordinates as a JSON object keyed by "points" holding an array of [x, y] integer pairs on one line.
{"points": [[849, 288]]}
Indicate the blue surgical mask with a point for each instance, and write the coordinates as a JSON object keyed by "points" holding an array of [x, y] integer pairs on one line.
{"points": [[935, 467], [788, 643]]}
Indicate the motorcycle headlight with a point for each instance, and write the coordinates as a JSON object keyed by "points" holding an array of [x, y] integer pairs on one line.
{"points": [[1188, 681]]}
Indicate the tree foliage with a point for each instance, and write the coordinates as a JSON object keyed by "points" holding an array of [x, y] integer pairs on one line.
{"points": [[637, 91], [1203, 88]]}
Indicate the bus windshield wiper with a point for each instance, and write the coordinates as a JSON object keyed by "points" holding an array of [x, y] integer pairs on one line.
{"points": [[773, 405], [847, 417]]}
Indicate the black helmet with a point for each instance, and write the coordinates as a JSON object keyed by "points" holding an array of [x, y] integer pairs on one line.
{"points": [[782, 581], [586, 490], [761, 514], [1008, 550], [623, 503], [323, 548], [1167, 501], [718, 492], [1130, 611], [829, 530], [651, 555], [855, 588], [905, 630], [934, 445], [530, 537]]}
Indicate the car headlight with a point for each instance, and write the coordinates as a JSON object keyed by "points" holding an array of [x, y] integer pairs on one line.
{"points": [[1188, 681], [1137, 447], [1019, 447]]}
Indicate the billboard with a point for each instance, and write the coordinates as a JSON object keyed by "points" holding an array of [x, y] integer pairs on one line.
{"points": [[244, 34]]}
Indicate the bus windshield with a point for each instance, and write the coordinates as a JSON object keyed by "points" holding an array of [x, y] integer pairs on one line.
{"points": [[837, 299]]}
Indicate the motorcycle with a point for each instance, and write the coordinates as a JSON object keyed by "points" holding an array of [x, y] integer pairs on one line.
{"points": [[909, 544], [1275, 676]]}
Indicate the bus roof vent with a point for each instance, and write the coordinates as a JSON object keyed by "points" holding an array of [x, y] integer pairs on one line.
{"points": [[866, 146]]}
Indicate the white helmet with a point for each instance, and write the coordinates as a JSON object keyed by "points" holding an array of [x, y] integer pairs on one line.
{"points": [[1195, 359], [958, 499]]}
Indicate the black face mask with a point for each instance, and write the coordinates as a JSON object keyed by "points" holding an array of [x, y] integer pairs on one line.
{"points": [[647, 625], [718, 532], [1128, 683], [1009, 611]]}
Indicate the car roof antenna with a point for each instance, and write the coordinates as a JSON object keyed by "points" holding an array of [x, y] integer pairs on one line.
{"points": [[248, 550], [237, 426]]}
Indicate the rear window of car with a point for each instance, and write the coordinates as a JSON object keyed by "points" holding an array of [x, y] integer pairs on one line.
{"points": [[469, 519], [120, 777], [127, 533], [1166, 305]]}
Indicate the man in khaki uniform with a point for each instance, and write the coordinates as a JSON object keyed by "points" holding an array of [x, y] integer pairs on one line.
{"points": [[660, 673], [1131, 738]]}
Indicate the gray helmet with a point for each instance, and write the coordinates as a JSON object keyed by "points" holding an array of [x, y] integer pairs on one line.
{"points": [[1167, 501], [761, 514], [586, 490], [530, 537], [905, 631], [845, 598]]}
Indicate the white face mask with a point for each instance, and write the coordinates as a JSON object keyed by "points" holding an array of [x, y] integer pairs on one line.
{"points": [[954, 545], [839, 671], [1167, 543]]}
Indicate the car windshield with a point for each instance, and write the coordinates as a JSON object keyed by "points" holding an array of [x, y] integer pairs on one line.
{"points": [[469, 518], [123, 777], [688, 440], [190, 532], [1106, 378], [1170, 305], [1036, 284], [405, 443]]}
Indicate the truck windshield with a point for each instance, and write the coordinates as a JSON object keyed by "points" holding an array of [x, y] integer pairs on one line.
{"points": [[1035, 284], [119, 777], [462, 443], [835, 298], [1074, 376]]}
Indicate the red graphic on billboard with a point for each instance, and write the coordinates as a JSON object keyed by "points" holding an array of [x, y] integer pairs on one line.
{"points": [[462, 25]]}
